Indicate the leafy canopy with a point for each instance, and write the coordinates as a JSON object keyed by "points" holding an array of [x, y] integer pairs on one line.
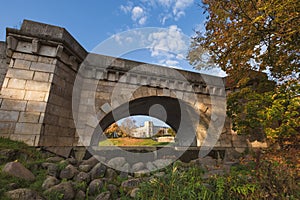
{"points": [[246, 38]]}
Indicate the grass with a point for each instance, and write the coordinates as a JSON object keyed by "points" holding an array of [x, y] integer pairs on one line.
{"points": [[126, 141], [30, 158]]}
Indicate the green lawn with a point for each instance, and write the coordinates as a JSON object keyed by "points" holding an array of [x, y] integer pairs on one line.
{"points": [[131, 142]]}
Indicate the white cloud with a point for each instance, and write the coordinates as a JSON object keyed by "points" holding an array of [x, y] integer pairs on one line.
{"points": [[165, 3], [136, 13], [171, 9], [126, 8], [180, 6], [117, 38], [170, 40], [142, 20], [168, 45]]}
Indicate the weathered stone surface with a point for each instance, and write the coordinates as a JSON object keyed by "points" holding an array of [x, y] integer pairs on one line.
{"points": [[23, 193], [98, 171], [64, 188], [116, 162], [52, 169], [150, 166], [160, 163], [82, 176], [85, 168], [131, 183], [80, 195], [95, 186], [112, 188], [16, 169], [50, 182], [137, 166], [69, 172], [111, 174], [104, 196]]}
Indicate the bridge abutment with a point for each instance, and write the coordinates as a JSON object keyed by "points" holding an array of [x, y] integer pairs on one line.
{"points": [[36, 94]]}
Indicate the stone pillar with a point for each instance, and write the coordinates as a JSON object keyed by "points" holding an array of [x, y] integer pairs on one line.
{"points": [[36, 95]]}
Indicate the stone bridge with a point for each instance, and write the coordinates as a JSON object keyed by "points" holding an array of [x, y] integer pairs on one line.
{"points": [[56, 95]]}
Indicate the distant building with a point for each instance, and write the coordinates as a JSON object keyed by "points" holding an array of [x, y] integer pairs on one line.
{"points": [[148, 130]]}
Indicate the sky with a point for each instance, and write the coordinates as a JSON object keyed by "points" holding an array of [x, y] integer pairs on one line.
{"points": [[119, 28]]}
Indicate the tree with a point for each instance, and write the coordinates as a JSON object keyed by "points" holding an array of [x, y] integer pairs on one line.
{"points": [[114, 129], [246, 38], [243, 35], [127, 125], [171, 132]]}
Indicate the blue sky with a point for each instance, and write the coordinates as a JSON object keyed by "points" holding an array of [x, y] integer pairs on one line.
{"points": [[94, 22]]}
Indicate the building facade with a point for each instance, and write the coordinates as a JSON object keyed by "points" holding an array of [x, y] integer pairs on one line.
{"points": [[148, 130]]}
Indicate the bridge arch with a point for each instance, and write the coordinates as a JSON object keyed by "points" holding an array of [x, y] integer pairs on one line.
{"points": [[178, 114]]}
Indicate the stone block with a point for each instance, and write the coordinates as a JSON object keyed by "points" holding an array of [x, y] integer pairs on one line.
{"points": [[16, 83], [28, 128], [12, 93], [22, 64], [37, 86], [42, 67], [19, 74], [41, 76], [35, 106], [6, 128], [50, 119], [46, 60], [23, 56], [9, 116], [5, 82], [16, 105], [29, 117], [30, 139], [35, 95], [55, 99], [57, 80]]}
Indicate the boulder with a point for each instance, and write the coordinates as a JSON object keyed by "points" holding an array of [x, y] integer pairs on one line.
{"points": [[50, 182], [65, 188], [95, 186], [69, 172], [92, 161], [137, 166], [104, 196], [23, 193], [85, 168], [111, 174], [54, 159], [52, 169], [16, 169], [98, 171], [161, 163], [116, 162], [80, 195], [150, 166], [82, 177], [131, 184]]}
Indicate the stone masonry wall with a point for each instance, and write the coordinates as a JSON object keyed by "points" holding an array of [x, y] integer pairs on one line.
{"points": [[36, 95], [3, 64]]}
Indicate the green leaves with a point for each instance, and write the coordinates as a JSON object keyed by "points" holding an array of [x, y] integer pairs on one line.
{"points": [[246, 38]]}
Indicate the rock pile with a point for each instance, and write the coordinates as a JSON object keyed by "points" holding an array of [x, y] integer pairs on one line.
{"points": [[72, 179]]}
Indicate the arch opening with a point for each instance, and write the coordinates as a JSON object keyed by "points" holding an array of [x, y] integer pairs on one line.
{"points": [[179, 115], [139, 130]]}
